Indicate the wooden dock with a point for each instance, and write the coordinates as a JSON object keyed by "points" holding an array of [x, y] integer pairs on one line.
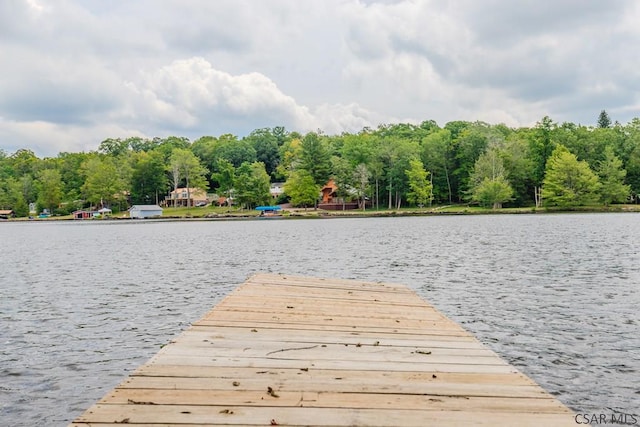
{"points": [[294, 351]]}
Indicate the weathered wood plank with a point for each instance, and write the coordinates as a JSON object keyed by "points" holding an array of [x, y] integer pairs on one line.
{"points": [[247, 415], [400, 378], [356, 353], [333, 326], [434, 346], [258, 362], [343, 320], [332, 310], [337, 384], [329, 294], [331, 399], [334, 283], [284, 350], [285, 335], [237, 337]]}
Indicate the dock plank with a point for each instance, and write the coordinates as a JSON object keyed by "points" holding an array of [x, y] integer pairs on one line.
{"points": [[290, 351]]}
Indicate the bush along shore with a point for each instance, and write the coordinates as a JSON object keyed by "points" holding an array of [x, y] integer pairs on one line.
{"points": [[210, 213]]}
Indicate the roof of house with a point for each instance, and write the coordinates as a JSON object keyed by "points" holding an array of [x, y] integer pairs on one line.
{"points": [[330, 186], [146, 207], [6, 212]]}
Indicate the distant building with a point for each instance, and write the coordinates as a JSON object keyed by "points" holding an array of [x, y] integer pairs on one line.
{"points": [[6, 214], [276, 189], [329, 192], [186, 197], [329, 199], [81, 214], [145, 211], [104, 212]]}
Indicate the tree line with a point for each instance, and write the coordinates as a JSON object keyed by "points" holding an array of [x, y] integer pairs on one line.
{"points": [[394, 165]]}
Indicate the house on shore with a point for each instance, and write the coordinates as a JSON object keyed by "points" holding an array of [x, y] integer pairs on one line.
{"points": [[276, 189], [82, 214], [145, 211], [87, 214], [329, 199], [182, 197], [104, 212], [6, 213]]}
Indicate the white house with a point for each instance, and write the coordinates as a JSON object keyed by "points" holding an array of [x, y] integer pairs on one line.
{"points": [[145, 211], [276, 189]]}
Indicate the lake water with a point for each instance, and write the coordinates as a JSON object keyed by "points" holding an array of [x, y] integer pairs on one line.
{"points": [[83, 304]]}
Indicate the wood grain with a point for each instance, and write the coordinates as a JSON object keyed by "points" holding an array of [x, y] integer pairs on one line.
{"points": [[290, 351]]}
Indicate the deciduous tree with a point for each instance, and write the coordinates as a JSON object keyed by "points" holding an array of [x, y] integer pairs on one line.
{"points": [[489, 185], [148, 178], [437, 156], [302, 188], [342, 175], [361, 176], [11, 197], [420, 188], [613, 188], [569, 182], [184, 163], [49, 184], [228, 147], [102, 183], [225, 178], [252, 185], [265, 144]]}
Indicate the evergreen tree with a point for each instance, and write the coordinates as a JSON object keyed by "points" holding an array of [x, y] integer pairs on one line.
{"points": [[315, 158], [603, 120]]}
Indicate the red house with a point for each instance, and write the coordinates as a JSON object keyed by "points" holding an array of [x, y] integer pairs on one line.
{"points": [[331, 201], [81, 214], [329, 192]]}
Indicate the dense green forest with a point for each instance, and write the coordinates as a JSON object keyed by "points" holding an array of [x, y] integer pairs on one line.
{"points": [[395, 165]]}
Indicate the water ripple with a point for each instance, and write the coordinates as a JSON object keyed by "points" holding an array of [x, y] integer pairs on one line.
{"points": [[84, 304]]}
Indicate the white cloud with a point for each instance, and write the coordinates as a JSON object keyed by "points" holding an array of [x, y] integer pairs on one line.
{"points": [[190, 91], [206, 68], [48, 139]]}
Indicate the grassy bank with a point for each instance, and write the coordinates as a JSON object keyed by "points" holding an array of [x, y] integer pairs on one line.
{"points": [[214, 212]]}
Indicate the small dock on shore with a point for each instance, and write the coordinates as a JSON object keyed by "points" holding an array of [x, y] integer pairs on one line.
{"points": [[293, 351]]}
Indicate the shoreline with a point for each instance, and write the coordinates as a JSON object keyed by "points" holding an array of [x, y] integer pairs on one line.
{"points": [[292, 214]]}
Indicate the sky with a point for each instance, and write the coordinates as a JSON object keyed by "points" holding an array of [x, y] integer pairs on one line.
{"points": [[74, 73]]}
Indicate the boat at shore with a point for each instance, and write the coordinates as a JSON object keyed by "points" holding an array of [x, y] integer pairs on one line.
{"points": [[269, 211]]}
